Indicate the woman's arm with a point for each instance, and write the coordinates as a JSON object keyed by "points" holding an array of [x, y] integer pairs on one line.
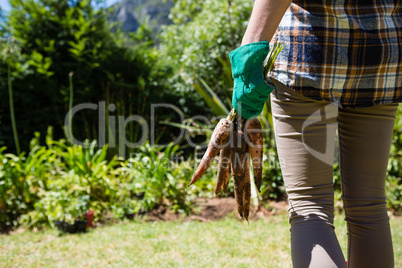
{"points": [[250, 90], [265, 18]]}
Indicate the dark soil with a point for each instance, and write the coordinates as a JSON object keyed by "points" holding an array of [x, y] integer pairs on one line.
{"points": [[211, 209]]}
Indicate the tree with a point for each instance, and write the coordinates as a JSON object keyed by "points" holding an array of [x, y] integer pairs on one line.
{"points": [[58, 37], [199, 41]]}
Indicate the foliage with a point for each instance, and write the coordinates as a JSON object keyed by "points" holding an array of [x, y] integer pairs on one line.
{"points": [[58, 182], [59, 206], [43, 42], [272, 187], [62, 37], [21, 179], [184, 11], [203, 34], [61, 182], [153, 175], [394, 178]]}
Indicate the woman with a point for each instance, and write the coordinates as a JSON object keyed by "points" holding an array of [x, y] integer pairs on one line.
{"points": [[341, 69]]}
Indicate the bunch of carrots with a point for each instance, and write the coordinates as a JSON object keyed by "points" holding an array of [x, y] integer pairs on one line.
{"points": [[237, 140]]}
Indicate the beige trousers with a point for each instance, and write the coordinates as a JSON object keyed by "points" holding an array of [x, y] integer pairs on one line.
{"points": [[305, 136]]}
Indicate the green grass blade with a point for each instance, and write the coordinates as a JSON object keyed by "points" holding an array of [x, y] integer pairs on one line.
{"points": [[216, 108], [276, 49], [215, 97], [12, 113]]}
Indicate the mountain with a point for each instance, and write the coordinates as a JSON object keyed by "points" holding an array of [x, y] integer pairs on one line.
{"points": [[131, 13]]}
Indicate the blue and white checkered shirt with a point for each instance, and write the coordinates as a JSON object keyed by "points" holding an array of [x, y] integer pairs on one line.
{"points": [[345, 52]]}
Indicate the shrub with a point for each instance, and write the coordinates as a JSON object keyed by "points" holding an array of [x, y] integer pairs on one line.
{"points": [[21, 180], [59, 206], [154, 176], [61, 183], [394, 178], [272, 182]]}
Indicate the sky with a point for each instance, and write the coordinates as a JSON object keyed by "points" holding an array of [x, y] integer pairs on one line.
{"points": [[6, 6]]}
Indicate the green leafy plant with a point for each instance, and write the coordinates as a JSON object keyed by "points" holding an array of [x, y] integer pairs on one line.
{"points": [[92, 170], [156, 179], [394, 176], [60, 206], [11, 54], [21, 181]]}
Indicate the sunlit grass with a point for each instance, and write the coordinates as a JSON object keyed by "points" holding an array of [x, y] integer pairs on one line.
{"points": [[225, 243]]}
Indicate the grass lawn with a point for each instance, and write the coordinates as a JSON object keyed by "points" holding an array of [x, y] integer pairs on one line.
{"points": [[224, 243]]}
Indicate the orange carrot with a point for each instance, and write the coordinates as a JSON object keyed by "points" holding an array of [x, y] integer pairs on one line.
{"points": [[220, 137], [227, 177], [223, 169], [238, 165], [255, 146], [247, 188], [246, 143]]}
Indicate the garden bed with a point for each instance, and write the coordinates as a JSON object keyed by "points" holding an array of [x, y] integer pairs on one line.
{"points": [[212, 209]]}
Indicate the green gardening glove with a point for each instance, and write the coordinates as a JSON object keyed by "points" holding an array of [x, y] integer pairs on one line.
{"points": [[250, 90]]}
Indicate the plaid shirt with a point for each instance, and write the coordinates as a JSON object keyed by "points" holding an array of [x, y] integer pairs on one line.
{"points": [[345, 52]]}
